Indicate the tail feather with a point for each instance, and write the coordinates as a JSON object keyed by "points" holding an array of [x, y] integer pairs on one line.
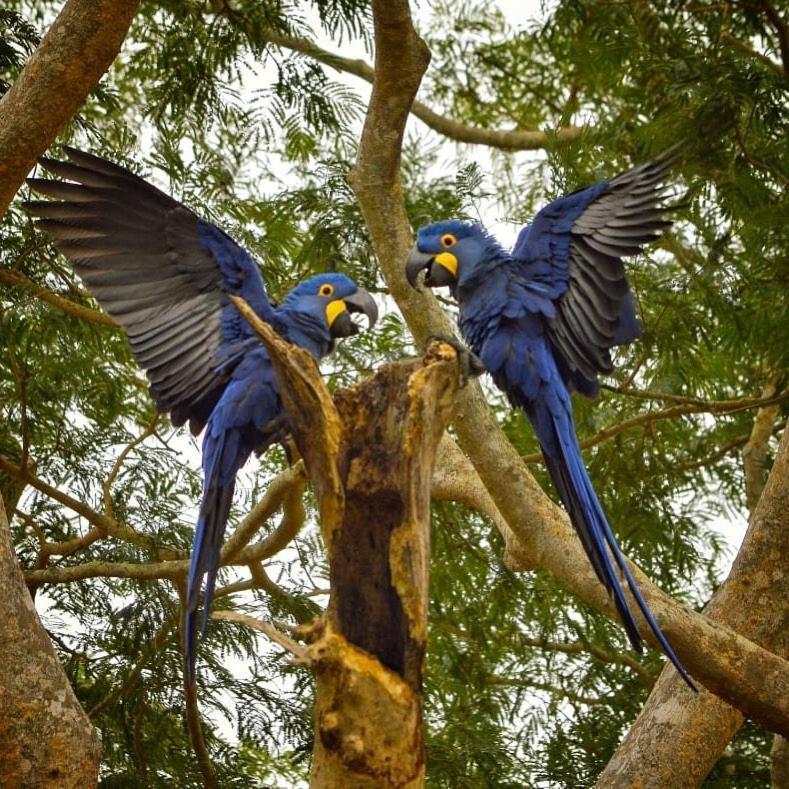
{"points": [[566, 467], [209, 535]]}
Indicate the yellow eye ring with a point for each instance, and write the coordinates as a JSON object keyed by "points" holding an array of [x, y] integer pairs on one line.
{"points": [[448, 240], [326, 290]]}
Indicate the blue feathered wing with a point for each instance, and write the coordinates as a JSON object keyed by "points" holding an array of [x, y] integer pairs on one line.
{"points": [[572, 253], [160, 271]]}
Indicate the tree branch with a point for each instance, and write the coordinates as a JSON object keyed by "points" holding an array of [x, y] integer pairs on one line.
{"points": [[685, 408], [71, 59], [281, 492], [754, 453], [105, 524], [268, 629], [679, 735], [194, 724], [747, 49], [14, 279], [781, 28], [120, 460], [504, 139], [293, 482]]}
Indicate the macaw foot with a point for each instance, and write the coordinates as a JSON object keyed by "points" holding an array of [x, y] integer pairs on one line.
{"points": [[470, 364], [278, 431]]}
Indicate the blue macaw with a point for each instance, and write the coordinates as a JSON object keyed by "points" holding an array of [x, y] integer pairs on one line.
{"points": [[542, 320], [164, 274]]}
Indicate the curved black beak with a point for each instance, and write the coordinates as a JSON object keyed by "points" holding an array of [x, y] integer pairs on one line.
{"points": [[361, 301], [417, 261]]}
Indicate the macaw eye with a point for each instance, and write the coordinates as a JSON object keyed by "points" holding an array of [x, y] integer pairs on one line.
{"points": [[326, 290], [448, 240]]}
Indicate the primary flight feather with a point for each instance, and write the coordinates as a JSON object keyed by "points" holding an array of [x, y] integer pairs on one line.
{"points": [[164, 275], [543, 318]]}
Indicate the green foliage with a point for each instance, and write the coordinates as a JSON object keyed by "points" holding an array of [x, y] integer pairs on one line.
{"points": [[524, 686]]}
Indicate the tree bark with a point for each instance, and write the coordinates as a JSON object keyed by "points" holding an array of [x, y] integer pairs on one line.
{"points": [[370, 456], [678, 735], [69, 62], [748, 676], [46, 740], [779, 763]]}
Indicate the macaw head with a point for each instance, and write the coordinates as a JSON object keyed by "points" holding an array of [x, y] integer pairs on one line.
{"points": [[452, 253], [327, 301]]}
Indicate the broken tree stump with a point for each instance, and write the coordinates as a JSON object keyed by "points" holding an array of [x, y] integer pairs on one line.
{"points": [[369, 454]]}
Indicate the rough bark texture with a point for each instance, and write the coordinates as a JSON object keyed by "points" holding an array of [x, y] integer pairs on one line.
{"points": [[46, 740], [779, 763], [679, 736], [69, 62], [370, 456], [738, 670]]}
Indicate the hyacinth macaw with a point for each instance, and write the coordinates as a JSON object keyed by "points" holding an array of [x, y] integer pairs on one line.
{"points": [[542, 319], [164, 274]]}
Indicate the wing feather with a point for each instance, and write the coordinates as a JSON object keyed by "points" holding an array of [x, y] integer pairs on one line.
{"points": [[158, 269], [576, 245]]}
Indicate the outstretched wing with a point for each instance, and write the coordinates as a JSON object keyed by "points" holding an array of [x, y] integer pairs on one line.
{"points": [[572, 254], [160, 271]]}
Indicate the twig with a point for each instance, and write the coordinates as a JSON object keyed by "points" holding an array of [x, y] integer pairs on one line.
{"points": [[155, 645], [523, 682], [267, 628], [64, 305], [106, 495]]}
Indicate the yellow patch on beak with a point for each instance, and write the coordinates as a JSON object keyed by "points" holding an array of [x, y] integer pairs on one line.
{"points": [[448, 261], [333, 309]]}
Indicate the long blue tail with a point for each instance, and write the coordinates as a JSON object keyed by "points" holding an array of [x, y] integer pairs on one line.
{"points": [[209, 535], [556, 431]]}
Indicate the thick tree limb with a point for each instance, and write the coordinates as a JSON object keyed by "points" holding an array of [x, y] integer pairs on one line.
{"points": [[679, 736], [71, 59], [46, 739], [714, 655]]}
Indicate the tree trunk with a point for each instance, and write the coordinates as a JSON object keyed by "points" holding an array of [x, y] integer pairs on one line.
{"points": [[46, 740], [679, 735], [369, 455], [71, 59]]}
